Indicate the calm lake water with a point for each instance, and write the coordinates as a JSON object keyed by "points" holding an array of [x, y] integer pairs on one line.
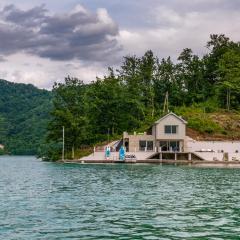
{"points": [[54, 201]]}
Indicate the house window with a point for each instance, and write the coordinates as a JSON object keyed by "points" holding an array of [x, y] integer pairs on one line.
{"points": [[149, 145], [174, 129], [171, 129], [142, 145], [145, 145]]}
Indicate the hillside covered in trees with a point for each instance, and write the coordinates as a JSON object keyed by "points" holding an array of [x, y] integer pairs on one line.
{"points": [[24, 115], [131, 97], [205, 90]]}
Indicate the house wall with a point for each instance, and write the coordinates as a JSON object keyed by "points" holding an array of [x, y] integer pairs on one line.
{"points": [[170, 120], [134, 140], [158, 134]]}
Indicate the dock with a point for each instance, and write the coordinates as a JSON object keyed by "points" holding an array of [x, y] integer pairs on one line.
{"points": [[158, 162]]}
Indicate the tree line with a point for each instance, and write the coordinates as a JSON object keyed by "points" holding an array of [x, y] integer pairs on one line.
{"points": [[131, 97]]}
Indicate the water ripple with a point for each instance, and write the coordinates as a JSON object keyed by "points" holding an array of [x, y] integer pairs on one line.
{"points": [[53, 201]]}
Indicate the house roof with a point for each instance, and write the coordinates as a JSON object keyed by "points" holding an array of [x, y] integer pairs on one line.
{"points": [[172, 114]]}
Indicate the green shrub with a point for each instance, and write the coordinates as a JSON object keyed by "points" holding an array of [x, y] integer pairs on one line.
{"points": [[50, 151], [204, 125], [211, 105]]}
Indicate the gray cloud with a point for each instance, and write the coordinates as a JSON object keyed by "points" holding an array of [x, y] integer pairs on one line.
{"points": [[2, 59], [91, 40], [79, 34], [29, 18], [175, 24]]}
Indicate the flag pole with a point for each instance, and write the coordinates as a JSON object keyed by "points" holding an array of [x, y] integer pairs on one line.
{"points": [[63, 142]]}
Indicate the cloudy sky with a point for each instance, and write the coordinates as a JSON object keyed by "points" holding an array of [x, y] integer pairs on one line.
{"points": [[42, 41]]}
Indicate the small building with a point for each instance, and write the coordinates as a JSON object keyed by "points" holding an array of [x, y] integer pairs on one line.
{"points": [[167, 134]]}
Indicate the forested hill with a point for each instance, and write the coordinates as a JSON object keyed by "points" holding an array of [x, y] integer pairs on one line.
{"points": [[205, 90], [24, 113]]}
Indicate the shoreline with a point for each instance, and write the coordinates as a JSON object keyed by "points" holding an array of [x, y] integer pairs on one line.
{"points": [[232, 164]]}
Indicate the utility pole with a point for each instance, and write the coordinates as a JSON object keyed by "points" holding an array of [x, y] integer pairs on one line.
{"points": [[165, 106], [63, 142], [108, 134]]}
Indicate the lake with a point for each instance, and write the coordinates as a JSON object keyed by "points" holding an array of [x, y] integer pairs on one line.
{"points": [[40, 200]]}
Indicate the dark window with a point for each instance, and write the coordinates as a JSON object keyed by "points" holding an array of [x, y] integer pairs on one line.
{"points": [[174, 146], [169, 146], [164, 145], [171, 129], [149, 145], [142, 145], [168, 129], [174, 129], [145, 145]]}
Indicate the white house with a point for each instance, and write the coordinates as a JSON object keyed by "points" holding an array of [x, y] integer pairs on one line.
{"points": [[166, 134]]}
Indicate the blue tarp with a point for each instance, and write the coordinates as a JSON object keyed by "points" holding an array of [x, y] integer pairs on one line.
{"points": [[122, 153], [107, 152]]}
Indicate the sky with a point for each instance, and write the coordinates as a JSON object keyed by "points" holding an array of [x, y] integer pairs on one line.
{"points": [[43, 41]]}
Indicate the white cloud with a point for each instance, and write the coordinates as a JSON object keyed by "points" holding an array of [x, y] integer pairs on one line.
{"points": [[173, 31], [79, 9], [167, 16], [43, 73]]}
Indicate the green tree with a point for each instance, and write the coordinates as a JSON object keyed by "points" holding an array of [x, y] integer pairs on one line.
{"points": [[217, 45], [229, 82], [190, 70], [2, 131], [166, 81], [69, 111], [130, 77], [148, 71]]}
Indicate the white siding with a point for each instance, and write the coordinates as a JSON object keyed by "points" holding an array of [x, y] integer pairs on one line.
{"points": [[171, 120]]}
